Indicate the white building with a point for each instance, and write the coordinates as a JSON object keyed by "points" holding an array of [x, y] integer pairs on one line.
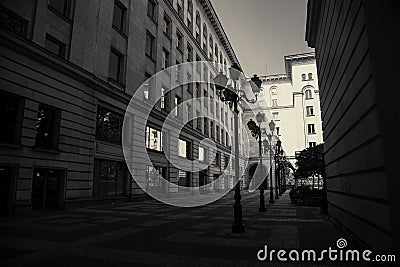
{"points": [[292, 101]]}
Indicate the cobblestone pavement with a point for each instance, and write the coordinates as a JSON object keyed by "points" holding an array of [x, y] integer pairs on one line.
{"points": [[148, 233]]}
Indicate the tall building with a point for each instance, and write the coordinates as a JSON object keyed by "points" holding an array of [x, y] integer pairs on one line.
{"points": [[358, 80], [292, 101], [68, 71]]}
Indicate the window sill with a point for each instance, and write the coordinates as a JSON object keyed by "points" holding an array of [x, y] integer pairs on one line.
{"points": [[47, 150], [62, 16], [116, 84], [167, 36], [120, 32], [150, 57], [311, 133], [154, 20]]}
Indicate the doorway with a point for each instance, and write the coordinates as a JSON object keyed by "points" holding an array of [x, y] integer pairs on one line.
{"points": [[7, 181], [47, 189]]}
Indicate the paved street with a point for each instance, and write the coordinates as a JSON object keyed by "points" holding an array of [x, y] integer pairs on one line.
{"points": [[148, 233]]}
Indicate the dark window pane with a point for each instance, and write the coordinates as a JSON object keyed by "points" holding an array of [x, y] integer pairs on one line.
{"points": [[108, 176], [115, 66], [8, 117], [108, 125], [151, 10], [54, 46], [119, 16], [45, 127], [61, 6]]}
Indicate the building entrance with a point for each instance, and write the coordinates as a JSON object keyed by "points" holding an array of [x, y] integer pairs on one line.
{"points": [[47, 189]]}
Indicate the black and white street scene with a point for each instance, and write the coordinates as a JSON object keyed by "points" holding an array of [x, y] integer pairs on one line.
{"points": [[199, 133]]}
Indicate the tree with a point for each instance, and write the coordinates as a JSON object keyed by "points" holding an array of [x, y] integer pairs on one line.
{"points": [[310, 162]]}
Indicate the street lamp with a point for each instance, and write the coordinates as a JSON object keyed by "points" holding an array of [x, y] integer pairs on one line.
{"points": [[271, 190], [256, 131], [277, 168], [233, 96]]}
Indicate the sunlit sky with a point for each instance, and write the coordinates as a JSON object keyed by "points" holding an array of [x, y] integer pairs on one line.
{"points": [[262, 32]]}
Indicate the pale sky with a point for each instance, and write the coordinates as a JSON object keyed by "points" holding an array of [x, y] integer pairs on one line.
{"points": [[262, 32]]}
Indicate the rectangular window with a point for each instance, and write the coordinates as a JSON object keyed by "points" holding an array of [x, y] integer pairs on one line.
{"points": [[167, 26], [198, 89], [202, 154], [109, 125], [189, 53], [311, 128], [310, 110], [152, 10], [205, 126], [274, 102], [10, 117], [179, 41], [227, 138], [177, 108], [112, 179], [164, 100], [47, 127], [182, 148], [54, 46], [155, 177], [165, 59], [278, 131], [179, 8], [198, 65], [115, 68], [218, 134], [212, 129], [275, 115], [312, 144], [198, 120], [154, 139], [150, 45], [222, 136], [217, 158], [119, 17], [61, 6], [147, 87]]}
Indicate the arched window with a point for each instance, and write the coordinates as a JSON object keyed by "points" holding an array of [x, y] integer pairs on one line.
{"points": [[198, 20], [307, 93], [310, 76], [190, 16], [220, 57], [303, 77], [216, 51], [211, 44], [198, 28], [273, 90]]}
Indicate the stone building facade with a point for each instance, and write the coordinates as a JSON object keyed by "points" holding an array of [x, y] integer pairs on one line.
{"points": [[68, 71]]}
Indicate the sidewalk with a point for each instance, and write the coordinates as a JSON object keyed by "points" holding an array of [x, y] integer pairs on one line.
{"points": [[150, 233]]}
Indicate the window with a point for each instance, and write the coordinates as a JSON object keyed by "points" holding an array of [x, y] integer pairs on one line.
{"points": [[61, 6], [189, 53], [165, 59], [227, 138], [167, 26], [222, 135], [155, 177], [205, 37], [198, 89], [216, 52], [54, 46], [179, 41], [218, 133], [177, 107], [10, 109], [308, 94], [115, 68], [220, 57], [119, 17], [190, 16], [205, 121], [310, 76], [310, 110], [146, 89], [109, 125], [47, 127], [275, 115], [164, 99], [182, 148], [198, 120], [212, 129], [303, 77], [274, 102], [217, 158], [226, 161], [278, 132], [202, 154], [154, 139], [150, 45], [311, 128], [198, 23], [190, 84], [152, 9], [198, 64], [179, 8], [274, 90], [189, 114], [312, 144], [112, 178], [211, 44]]}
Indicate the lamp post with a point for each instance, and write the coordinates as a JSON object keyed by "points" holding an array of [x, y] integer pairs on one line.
{"points": [[277, 168], [256, 131], [271, 189], [233, 96]]}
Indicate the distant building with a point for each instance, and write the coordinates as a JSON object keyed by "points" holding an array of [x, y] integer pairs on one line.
{"points": [[292, 101], [359, 84], [68, 71]]}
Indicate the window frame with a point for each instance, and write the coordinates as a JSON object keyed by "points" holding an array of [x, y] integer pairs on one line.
{"points": [[55, 128], [120, 28], [120, 67]]}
